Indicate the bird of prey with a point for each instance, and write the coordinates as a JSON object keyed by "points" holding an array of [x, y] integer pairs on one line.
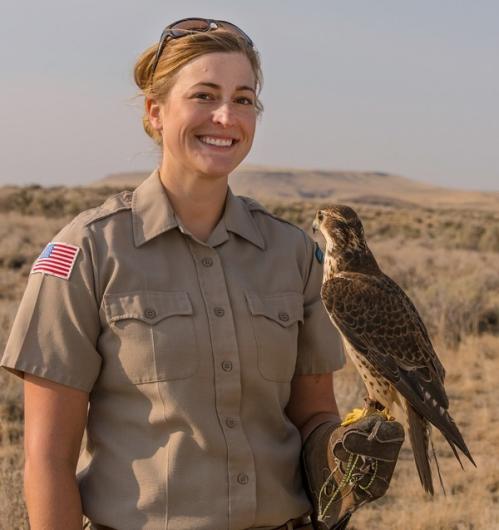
{"points": [[385, 338]]}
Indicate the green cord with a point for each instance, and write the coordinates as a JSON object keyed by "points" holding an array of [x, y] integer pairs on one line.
{"points": [[366, 488], [347, 477]]}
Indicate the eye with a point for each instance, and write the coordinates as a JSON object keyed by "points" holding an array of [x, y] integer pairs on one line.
{"points": [[320, 216], [205, 96], [245, 101]]}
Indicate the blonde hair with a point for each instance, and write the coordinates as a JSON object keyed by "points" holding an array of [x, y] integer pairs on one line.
{"points": [[176, 54]]}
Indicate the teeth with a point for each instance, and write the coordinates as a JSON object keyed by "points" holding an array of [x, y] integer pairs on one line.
{"points": [[220, 142]]}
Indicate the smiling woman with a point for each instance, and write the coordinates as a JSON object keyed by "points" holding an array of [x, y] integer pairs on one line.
{"points": [[187, 320], [155, 75]]}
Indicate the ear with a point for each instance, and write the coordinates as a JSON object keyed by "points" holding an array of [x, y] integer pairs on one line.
{"points": [[153, 110]]}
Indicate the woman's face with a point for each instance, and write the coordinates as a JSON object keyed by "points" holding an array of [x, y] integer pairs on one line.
{"points": [[208, 118]]}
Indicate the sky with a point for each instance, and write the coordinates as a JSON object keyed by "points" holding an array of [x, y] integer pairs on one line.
{"points": [[409, 88]]}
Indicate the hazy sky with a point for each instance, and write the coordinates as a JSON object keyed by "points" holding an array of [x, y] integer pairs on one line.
{"points": [[404, 87]]}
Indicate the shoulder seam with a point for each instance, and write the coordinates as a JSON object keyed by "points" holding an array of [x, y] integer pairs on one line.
{"points": [[104, 210], [281, 219], [255, 206], [251, 203]]}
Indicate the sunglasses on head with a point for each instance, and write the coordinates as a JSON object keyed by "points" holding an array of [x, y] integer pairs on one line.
{"points": [[187, 26]]}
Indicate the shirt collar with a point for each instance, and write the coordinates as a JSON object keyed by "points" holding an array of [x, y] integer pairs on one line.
{"points": [[238, 219], [153, 214]]}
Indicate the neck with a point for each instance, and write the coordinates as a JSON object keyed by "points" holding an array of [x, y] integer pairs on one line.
{"points": [[198, 200], [359, 260]]}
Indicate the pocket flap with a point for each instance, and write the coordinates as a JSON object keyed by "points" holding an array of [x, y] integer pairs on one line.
{"points": [[148, 306], [283, 308]]}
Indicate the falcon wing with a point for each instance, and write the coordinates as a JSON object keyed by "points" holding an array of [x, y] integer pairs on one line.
{"points": [[381, 323]]}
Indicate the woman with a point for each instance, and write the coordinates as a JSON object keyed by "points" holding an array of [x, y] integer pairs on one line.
{"points": [[186, 320]]}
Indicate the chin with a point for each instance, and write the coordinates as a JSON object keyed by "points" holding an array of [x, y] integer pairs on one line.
{"points": [[212, 174], [217, 170]]}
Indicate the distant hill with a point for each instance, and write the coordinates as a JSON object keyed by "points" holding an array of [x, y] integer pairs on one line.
{"points": [[284, 184]]}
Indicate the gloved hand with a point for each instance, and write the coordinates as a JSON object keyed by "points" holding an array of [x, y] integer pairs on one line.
{"points": [[345, 467]]}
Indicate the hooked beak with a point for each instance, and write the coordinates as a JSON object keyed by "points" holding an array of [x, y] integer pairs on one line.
{"points": [[315, 226]]}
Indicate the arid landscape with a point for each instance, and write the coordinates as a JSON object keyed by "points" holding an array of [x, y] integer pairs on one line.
{"points": [[441, 246]]}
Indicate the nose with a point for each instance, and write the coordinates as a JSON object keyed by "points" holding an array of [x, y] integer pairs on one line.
{"points": [[224, 115]]}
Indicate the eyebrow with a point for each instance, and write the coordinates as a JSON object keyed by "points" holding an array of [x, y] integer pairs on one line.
{"points": [[218, 87]]}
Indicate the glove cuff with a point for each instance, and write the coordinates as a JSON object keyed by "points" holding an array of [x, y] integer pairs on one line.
{"points": [[319, 481]]}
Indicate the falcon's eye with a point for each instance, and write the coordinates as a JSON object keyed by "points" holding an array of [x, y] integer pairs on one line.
{"points": [[319, 215]]}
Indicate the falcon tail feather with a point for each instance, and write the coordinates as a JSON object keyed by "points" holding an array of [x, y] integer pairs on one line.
{"points": [[419, 437], [440, 478], [465, 450], [456, 454], [454, 437]]}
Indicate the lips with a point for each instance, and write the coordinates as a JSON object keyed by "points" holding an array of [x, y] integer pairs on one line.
{"points": [[217, 141]]}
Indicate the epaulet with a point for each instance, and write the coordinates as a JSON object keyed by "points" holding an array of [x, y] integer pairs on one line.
{"points": [[255, 206], [115, 203]]}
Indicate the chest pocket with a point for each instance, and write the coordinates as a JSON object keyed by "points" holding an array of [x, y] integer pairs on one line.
{"points": [[275, 321], [155, 335]]}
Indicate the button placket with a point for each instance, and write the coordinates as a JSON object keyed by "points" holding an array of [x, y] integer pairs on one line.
{"points": [[228, 391]]}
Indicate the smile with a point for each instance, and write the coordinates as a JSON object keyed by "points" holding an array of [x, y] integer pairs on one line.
{"points": [[218, 142]]}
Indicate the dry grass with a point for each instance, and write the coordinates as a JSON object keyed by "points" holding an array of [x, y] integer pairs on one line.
{"points": [[448, 262]]}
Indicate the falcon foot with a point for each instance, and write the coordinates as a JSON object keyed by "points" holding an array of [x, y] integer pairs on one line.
{"points": [[353, 416], [371, 407]]}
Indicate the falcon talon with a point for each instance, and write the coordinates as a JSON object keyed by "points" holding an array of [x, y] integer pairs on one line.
{"points": [[373, 404], [353, 416]]}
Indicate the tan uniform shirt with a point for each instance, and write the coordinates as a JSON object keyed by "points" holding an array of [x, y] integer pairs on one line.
{"points": [[187, 350]]}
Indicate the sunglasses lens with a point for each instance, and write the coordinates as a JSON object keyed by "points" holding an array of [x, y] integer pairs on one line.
{"points": [[185, 26], [228, 26]]}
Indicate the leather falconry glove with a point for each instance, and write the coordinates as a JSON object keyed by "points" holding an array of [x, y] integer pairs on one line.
{"points": [[345, 467]]}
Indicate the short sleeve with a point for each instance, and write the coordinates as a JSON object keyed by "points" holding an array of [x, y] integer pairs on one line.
{"points": [[56, 327], [320, 348]]}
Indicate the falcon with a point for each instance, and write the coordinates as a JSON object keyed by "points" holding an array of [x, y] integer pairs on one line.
{"points": [[386, 339]]}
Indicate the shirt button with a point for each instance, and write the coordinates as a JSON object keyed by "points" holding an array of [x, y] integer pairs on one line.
{"points": [[242, 478], [219, 312], [207, 262], [149, 312], [227, 366], [230, 422], [283, 316]]}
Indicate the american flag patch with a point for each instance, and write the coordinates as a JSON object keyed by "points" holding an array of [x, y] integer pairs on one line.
{"points": [[56, 259]]}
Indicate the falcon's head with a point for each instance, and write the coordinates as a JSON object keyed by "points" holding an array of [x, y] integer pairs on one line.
{"points": [[341, 227], [345, 240]]}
